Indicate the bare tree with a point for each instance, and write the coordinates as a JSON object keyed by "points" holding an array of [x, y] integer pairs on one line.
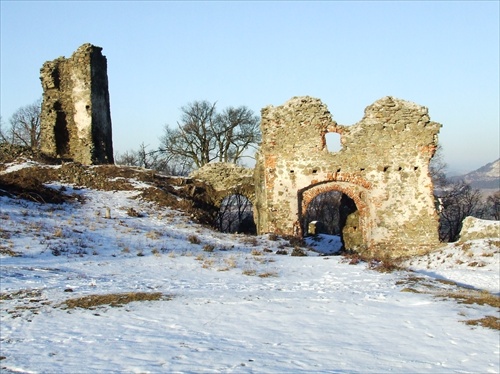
{"points": [[25, 126], [153, 160], [493, 206], [437, 168], [203, 135], [236, 215], [325, 208], [459, 200], [236, 129], [3, 135]]}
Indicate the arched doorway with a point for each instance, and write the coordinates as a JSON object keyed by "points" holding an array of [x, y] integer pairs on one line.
{"points": [[334, 209], [236, 215]]}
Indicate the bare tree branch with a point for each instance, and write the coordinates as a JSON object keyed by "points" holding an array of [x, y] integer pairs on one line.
{"points": [[203, 135], [25, 126]]}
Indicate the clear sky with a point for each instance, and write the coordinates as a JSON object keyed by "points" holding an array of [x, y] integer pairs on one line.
{"points": [[164, 54]]}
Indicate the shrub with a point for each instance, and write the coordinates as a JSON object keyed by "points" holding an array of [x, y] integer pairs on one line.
{"points": [[268, 274], [251, 240], [193, 239], [153, 235], [208, 248], [58, 233], [273, 237], [134, 213], [298, 252]]}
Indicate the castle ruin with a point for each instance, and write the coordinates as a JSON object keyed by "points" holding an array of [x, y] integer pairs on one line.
{"points": [[382, 170], [75, 115]]}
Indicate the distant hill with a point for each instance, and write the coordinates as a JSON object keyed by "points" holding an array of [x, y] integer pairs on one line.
{"points": [[487, 177]]}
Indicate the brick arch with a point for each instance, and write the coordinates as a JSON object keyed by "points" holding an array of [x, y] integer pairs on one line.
{"points": [[356, 192]]}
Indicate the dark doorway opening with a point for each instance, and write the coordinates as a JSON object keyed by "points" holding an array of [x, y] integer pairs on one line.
{"points": [[236, 215], [61, 132], [332, 213]]}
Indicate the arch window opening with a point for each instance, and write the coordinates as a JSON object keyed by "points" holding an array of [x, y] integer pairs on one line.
{"points": [[331, 223], [236, 215]]}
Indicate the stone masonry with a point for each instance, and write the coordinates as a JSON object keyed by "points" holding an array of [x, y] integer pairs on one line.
{"points": [[75, 117], [383, 167]]}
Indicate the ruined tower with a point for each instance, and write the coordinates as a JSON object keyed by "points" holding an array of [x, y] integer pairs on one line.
{"points": [[75, 116]]}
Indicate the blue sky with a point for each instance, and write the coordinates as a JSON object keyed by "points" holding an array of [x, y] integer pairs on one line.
{"points": [[163, 55]]}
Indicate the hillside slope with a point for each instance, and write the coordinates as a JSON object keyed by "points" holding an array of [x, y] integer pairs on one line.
{"points": [[111, 280], [486, 177]]}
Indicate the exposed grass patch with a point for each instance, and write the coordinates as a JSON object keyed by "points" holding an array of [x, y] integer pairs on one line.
{"points": [[250, 240], [153, 235], [410, 289], [473, 297], [382, 263], [268, 274], [9, 252], [494, 243], [298, 252], [490, 322], [114, 300], [208, 248], [21, 294], [193, 239], [446, 289], [273, 237], [466, 246], [208, 263]]}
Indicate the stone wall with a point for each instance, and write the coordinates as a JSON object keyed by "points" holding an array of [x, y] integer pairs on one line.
{"points": [[75, 117], [383, 167], [475, 228], [226, 179]]}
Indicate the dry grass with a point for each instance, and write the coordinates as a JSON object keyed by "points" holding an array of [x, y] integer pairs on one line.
{"points": [[208, 263], [58, 233], [193, 239], [461, 295], [490, 322], [494, 243], [231, 262], [473, 297], [273, 237], [21, 294], [466, 246], [114, 300], [9, 252], [208, 248], [153, 235], [298, 252], [250, 240], [268, 274], [250, 272], [380, 262]]}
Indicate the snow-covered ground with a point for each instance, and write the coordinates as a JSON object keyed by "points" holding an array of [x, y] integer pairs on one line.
{"points": [[231, 304]]}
